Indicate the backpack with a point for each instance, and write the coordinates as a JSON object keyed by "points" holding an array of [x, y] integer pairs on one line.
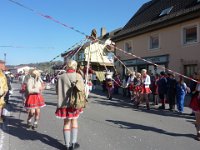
{"points": [[109, 83], [77, 98]]}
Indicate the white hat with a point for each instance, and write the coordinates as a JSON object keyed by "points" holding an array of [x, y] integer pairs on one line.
{"points": [[109, 75]]}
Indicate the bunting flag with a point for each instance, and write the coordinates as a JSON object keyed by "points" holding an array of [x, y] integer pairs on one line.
{"points": [[94, 39], [30, 47], [47, 17]]}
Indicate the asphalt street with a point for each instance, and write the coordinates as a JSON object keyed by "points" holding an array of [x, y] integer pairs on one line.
{"points": [[105, 125]]}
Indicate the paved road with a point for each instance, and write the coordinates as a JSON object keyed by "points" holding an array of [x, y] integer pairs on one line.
{"points": [[105, 124]]}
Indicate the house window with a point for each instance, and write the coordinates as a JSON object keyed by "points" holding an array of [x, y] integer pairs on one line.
{"points": [[189, 70], [154, 42], [166, 11], [128, 46], [190, 34]]}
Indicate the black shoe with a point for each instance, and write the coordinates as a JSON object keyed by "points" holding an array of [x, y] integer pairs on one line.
{"points": [[172, 110], [74, 146], [162, 107], [67, 148], [192, 114], [35, 126]]}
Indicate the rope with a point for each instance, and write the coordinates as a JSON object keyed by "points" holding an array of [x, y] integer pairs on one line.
{"points": [[122, 63], [87, 72], [152, 64], [72, 47], [94, 39], [71, 52]]}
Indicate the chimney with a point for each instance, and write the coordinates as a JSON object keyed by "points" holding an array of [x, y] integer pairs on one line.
{"points": [[103, 31]]}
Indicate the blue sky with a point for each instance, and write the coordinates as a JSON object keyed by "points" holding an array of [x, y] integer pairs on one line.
{"points": [[36, 39]]}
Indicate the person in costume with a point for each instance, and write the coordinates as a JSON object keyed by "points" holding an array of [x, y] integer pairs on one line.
{"points": [[7, 96], [34, 100], [24, 81], [137, 89], [130, 84], [146, 81], [3, 91], [64, 110], [195, 105], [117, 83], [109, 84]]}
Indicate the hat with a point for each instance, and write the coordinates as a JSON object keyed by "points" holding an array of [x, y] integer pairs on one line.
{"points": [[162, 73], [35, 72], [109, 75], [72, 64]]}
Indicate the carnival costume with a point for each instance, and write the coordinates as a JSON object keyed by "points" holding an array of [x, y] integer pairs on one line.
{"points": [[3, 89], [34, 99], [146, 82], [64, 111], [195, 102], [109, 84]]}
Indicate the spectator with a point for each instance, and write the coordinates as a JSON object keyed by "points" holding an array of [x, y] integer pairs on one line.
{"points": [[162, 89], [171, 92], [181, 90], [94, 80]]}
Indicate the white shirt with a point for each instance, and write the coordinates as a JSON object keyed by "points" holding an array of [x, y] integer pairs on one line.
{"points": [[130, 79], [146, 81]]}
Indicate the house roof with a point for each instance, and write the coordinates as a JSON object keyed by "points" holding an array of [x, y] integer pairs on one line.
{"points": [[149, 18]]}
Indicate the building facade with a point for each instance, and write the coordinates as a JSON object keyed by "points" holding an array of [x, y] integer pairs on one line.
{"points": [[164, 32]]}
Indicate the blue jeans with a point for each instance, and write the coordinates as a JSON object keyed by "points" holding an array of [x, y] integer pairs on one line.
{"points": [[180, 102]]}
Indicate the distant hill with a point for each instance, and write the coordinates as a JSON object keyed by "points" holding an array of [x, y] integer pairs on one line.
{"points": [[44, 66]]}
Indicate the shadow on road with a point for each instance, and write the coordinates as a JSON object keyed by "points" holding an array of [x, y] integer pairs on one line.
{"points": [[129, 125], [119, 101], [19, 129]]}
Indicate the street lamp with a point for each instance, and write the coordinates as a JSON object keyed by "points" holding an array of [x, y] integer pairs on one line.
{"points": [[5, 58]]}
